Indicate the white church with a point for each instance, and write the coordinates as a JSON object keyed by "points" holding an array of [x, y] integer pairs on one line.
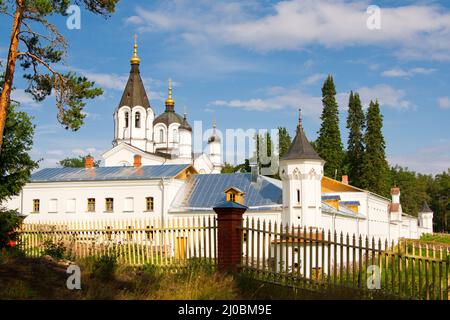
{"points": [[151, 171]]}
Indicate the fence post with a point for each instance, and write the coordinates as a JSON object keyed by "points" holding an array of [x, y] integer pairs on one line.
{"points": [[229, 235]]}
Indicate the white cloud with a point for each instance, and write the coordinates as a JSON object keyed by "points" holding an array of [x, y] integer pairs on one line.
{"points": [[387, 96], [313, 79], [279, 98], [25, 99], [412, 31], [399, 73], [444, 102]]}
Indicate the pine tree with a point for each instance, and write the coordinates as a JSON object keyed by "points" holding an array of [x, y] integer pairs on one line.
{"points": [[355, 151], [284, 141], [329, 144], [375, 175]]}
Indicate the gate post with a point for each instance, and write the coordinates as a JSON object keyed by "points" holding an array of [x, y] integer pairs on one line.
{"points": [[229, 235]]}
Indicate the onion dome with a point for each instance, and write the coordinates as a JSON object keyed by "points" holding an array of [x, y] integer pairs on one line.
{"points": [[214, 137], [169, 116], [185, 125]]}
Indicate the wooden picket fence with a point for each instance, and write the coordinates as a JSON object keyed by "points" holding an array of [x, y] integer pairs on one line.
{"points": [[304, 258], [318, 260], [169, 242]]}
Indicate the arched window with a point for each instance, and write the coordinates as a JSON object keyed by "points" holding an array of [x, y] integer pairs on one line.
{"points": [[161, 135], [175, 135], [137, 120], [126, 119]]}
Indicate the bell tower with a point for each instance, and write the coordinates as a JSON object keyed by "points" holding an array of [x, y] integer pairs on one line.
{"points": [[301, 172], [133, 118]]}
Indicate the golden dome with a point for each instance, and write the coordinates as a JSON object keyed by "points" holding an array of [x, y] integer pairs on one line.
{"points": [[169, 101], [135, 59]]}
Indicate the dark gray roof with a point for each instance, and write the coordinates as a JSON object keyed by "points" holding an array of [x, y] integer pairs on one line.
{"points": [[168, 117], [425, 207], [185, 124], [204, 191], [107, 173], [300, 148], [134, 93]]}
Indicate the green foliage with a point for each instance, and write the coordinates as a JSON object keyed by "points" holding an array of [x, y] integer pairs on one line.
{"points": [[375, 169], [414, 188], [284, 141], [9, 222], [77, 162], [16, 164], [41, 47], [54, 249], [104, 267], [329, 144], [439, 191], [439, 238], [355, 149]]}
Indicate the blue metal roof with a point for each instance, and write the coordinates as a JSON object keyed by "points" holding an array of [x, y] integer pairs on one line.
{"points": [[350, 203], [107, 173], [204, 191], [332, 197]]}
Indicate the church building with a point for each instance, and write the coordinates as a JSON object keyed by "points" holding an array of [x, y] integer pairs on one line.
{"points": [[162, 139], [151, 171]]}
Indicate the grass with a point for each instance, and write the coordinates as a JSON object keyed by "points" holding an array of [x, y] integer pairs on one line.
{"points": [[40, 278], [436, 238]]}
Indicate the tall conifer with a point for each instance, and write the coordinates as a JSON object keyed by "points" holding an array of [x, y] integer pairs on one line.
{"points": [[355, 149], [329, 144], [375, 170]]}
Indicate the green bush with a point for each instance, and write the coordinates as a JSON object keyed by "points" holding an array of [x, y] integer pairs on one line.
{"points": [[52, 249], [9, 223], [104, 267]]}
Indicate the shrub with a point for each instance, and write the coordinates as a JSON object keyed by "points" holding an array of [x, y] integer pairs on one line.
{"points": [[104, 267], [55, 250], [9, 223]]}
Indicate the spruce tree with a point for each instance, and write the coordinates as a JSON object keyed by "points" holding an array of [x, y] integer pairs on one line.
{"points": [[329, 144], [375, 169], [355, 149]]}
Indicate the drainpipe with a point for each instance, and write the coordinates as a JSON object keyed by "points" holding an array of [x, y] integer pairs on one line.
{"points": [[368, 216], [163, 206], [21, 202]]}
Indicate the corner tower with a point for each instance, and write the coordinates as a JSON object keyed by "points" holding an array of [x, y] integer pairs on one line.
{"points": [[133, 118], [301, 171]]}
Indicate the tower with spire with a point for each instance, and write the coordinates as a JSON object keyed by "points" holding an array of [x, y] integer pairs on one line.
{"points": [[215, 149], [301, 172], [133, 117]]}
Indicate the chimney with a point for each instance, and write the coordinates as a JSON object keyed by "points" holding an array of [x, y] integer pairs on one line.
{"points": [[395, 193], [137, 161], [254, 169], [345, 179], [89, 162]]}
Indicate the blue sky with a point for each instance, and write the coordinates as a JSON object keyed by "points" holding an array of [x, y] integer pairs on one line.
{"points": [[251, 64]]}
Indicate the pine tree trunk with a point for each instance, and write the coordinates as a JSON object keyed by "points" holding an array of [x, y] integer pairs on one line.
{"points": [[10, 67]]}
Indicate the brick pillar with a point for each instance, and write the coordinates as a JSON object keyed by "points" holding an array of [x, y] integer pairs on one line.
{"points": [[229, 235]]}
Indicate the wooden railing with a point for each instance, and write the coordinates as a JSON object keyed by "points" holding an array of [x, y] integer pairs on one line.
{"points": [[316, 259], [134, 242]]}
